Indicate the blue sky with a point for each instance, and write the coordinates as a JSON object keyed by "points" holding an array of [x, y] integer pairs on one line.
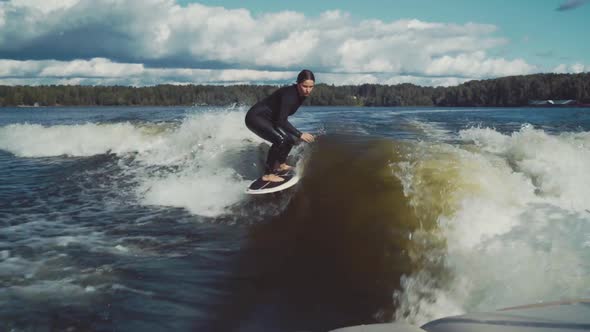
{"points": [[426, 42]]}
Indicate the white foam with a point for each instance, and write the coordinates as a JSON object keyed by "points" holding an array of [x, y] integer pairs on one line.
{"points": [[191, 164], [33, 140], [431, 129], [205, 149], [427, 111], [557, 165], [513, 218], [207, 192], [14, 267], [43, 290], [540, 259], [4, 254]]}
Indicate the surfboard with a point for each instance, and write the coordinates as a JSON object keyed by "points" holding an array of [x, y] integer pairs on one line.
{"points": [[260, 186]]}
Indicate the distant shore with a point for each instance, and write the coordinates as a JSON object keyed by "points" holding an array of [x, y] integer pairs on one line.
{"points": [[511, 91], [361, 106]]}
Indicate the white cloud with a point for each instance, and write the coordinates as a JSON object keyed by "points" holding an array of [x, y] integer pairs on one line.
{"points": [[161, 29], [2, 16], [560, 69], [19, 68], [97, 67], [100, 71], [572, 69], [579, 68], [44, 7], [477, 64], [427, 81], [389, 79], [123, 40], [104, 71]]}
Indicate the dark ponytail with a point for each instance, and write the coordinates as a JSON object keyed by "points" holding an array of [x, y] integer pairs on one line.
{"points": [[305, 75]]}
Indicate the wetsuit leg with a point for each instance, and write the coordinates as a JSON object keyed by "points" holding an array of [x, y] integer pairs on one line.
{"points": [[282, 142], [290, 140]]}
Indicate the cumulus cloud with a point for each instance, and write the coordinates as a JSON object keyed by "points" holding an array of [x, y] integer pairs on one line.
{"points": [[98, 67], [145, 42], [100, 71], [571, 4], [576, 68], [390, 79], [103, 71], [161, 32], [477, 64]]}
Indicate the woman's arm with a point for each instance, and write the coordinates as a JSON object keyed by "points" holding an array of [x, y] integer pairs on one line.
{"points": [[288, 102]]}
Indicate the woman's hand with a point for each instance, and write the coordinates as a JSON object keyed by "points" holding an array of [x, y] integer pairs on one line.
{"points": [[307, 137]]}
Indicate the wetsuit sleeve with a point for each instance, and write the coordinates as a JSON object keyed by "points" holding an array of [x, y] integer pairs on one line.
{"points": [[291, 129], [287, 103]]}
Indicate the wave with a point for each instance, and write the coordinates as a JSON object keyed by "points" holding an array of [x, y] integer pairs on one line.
{"points": [[509, 213], [200, 163], [33, 140], [486, 221], [555, 164]]}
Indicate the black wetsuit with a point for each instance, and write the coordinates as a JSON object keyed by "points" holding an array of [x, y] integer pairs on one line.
{"points": [[268, 119]]}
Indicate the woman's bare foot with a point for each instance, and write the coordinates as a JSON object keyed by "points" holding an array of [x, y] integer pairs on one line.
{"points": [[285, 167], [272, 178]]}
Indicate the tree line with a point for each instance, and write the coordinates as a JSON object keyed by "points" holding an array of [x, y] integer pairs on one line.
{"points": [[499, 92]]}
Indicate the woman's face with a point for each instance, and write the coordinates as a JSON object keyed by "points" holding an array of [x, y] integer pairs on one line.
{"points": [[305, 87]]}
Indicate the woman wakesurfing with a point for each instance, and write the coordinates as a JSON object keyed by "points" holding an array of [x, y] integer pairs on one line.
{"points": [[269, 119]]}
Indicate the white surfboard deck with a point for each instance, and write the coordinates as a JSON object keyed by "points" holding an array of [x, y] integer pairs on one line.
{"points": [[259, 186]]}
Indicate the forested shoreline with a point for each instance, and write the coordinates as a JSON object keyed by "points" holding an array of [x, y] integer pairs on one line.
{"points": [[499, 92]]}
